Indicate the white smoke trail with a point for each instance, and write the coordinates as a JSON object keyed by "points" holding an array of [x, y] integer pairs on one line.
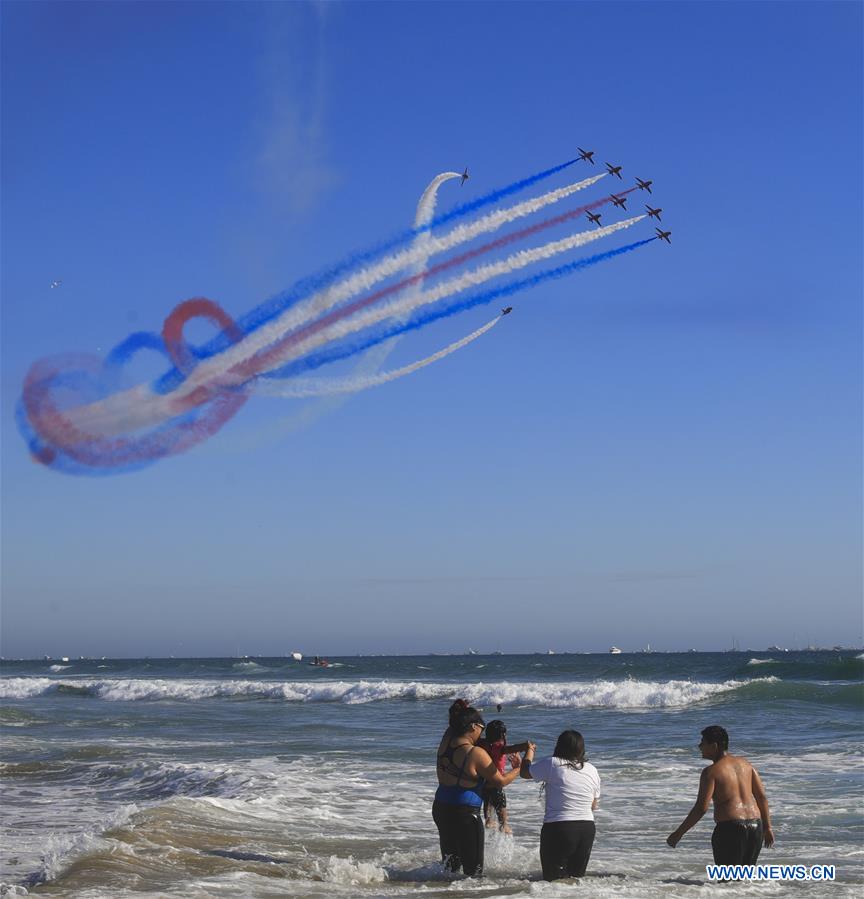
{"points": [[139, 407], [422, 217], [371, 361], [367, 278], [306, 387], [152, 409], [403, 306]]}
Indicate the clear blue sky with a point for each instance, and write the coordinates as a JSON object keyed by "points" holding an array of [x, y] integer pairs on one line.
{"points": [[663, 449]]}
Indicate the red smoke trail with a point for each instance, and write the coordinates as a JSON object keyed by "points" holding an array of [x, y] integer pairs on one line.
{"points": [[263, 360]]}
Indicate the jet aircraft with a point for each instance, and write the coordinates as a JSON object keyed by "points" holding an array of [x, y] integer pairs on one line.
{"points": [[594, 217], [614, 169], [506, 310], [654, 213], [56, 283], [464, 176], [663, 235], [587, 155], [618, 201], [644, 185]]}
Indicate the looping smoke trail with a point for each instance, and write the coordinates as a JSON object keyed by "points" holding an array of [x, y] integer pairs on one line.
{"points": [[257, 350], [76, 418], [270, 309], [298, 314], [308, 387]]}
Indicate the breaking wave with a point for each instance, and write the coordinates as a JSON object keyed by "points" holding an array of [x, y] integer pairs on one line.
{"points": [[620, 694]]}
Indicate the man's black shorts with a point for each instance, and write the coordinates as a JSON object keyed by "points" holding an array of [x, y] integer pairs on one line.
{"points": [[737, 842]]}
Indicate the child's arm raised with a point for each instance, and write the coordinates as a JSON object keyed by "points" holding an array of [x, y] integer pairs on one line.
{"points": [[516, 747]]}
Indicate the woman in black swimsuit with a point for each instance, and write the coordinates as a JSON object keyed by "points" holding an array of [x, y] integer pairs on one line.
{"points": [[463, 768]]}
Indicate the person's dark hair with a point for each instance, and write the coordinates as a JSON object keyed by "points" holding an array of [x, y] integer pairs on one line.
{"points": [[466, 719], [571, 748], [716, 734], [456, 709], [496, 730]]}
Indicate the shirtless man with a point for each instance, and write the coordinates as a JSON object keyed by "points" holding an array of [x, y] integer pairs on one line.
{"points": [[740, 804]]}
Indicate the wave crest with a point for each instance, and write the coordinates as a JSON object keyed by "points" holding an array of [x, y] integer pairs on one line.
{"points": [[622, 694]]}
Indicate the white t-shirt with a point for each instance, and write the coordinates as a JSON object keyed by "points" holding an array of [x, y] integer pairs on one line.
{"points": [[569, 791]]}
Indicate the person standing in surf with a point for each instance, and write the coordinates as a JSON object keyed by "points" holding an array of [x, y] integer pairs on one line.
{"points": [[463, 769], [741, 813], [494, 798], [572, 796]]}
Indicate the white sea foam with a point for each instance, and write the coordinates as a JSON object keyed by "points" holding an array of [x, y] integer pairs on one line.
{"points": [[349, 872], [373, 835], [60, 848], [58, 667], [626, 694], [762, 662], [24, 687]]}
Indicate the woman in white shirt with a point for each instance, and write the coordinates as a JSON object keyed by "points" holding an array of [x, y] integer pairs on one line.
{"points": [[572, 794]]}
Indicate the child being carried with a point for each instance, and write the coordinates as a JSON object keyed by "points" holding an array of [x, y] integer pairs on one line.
{"points": [[495, 743]]}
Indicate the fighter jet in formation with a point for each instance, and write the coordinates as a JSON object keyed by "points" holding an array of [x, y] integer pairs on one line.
{"points": [[506, 310], [464, 176], [56, 284], [621, 201]]}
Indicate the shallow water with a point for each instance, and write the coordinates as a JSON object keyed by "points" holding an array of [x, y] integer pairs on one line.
{"points": [[264, 777]]}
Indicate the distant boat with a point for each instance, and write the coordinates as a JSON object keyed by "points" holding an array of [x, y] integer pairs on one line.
{"points": [[297, 656], [473, 652], [615, 650], [550, 652], [778, 649]]}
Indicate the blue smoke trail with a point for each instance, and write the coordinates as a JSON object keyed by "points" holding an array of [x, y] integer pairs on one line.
{"points": [[275, 306], [64, 462], [384, 332]]}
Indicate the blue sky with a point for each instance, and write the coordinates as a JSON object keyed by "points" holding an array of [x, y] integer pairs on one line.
{"points": [[665, 448]]}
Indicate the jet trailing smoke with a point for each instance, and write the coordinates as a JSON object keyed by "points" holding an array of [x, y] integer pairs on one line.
{"points": [[79, 414]]}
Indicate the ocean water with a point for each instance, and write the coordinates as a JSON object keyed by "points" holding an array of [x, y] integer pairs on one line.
{"points": [[267, 777]]}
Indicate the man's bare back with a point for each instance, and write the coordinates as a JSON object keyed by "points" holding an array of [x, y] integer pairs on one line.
{"points": [[733, 778]]}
